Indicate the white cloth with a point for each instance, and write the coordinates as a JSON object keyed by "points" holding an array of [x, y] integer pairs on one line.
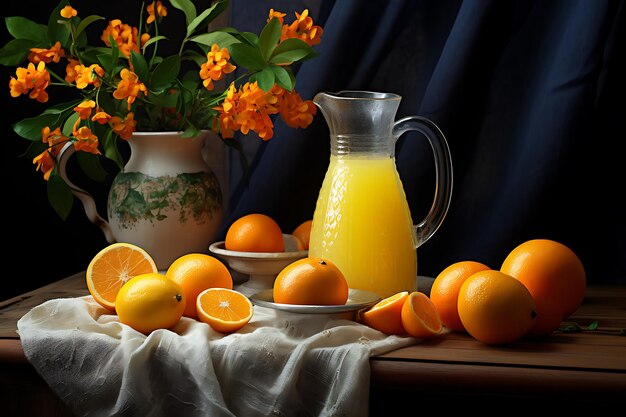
{"points": [[280, 363]]}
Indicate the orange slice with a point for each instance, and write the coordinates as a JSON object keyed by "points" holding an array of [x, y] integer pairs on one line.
{"points": [[112, 267], [386, 315], [225, 310], [420, 317]]}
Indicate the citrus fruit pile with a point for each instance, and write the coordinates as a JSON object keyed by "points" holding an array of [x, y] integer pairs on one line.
{"points": [[540, 283], [123, 278]]}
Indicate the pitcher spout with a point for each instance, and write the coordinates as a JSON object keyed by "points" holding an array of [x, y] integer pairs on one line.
{"points": [[359, 121], [358, 112]]}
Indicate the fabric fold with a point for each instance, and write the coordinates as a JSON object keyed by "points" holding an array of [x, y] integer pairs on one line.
{"points": [[279, 364]]}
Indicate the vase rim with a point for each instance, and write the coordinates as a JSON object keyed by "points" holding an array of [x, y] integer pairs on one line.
{"points": [[167, 133]]}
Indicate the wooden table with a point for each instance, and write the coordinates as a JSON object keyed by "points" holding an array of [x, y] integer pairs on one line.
{"points": [[590, 364]]}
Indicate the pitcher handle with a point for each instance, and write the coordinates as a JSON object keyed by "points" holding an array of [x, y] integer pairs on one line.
{"points": [[88, 202], [443, 167]]}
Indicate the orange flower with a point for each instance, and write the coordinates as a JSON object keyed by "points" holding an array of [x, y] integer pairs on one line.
{"points": [[46, 160], [53, 138], [71, 72], [33, 79], [303, 28], [124, 128], [87, 75], [248, 108], [84, 109], [129, 87], [125, 36], [274, 13], [161, 11], [45, 164], [86, 141], [46, 55], [145, 37], [294, 111], [68, 12], [216, 66], [18, 86], [101, 117]]}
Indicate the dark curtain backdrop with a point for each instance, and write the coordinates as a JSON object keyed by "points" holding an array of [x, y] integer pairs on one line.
{"points": [[530, 95]]}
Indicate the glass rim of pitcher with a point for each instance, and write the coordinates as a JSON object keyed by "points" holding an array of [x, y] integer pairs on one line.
{"points": [[363, 95]]}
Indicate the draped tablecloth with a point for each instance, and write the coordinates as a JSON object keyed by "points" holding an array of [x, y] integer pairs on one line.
{"points": [[279, 364]]}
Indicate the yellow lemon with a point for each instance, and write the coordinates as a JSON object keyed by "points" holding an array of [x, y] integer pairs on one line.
{"points": [[150, 301]]}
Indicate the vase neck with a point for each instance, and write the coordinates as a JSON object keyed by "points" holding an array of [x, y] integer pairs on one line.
{"points": [[165, 153]]}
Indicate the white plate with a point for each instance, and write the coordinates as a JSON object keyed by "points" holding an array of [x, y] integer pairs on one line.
{"points": [[357, 300]]}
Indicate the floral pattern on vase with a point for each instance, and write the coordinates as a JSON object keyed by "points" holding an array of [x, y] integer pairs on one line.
{"points": [[135, 196]]}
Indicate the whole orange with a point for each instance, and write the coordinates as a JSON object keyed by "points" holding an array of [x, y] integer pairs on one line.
{"points": [[303, 233], [311, 281], [555, 277], [254, 233], [444, 292], [196, 272], [495, 308]]}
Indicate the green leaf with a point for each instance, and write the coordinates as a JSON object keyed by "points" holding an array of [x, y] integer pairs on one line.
{"points": [[250, 37], [58, 28], [108, 57], [195, 57], [247, 56], [91, 55], [165, 73], [22, 28], [86, 22], [60, 196], [170, 100], [62, 107], [265, 78], [289, 51], [223, 39], [270, 35], [68, 126], [187, 8], [206, 16], [282, 77], [191, 79], [110, 149], [190, 132], [593, 325], [140, 65], [16, 51], [151, 41], [90, 164], [30, 128], [570, 328]]}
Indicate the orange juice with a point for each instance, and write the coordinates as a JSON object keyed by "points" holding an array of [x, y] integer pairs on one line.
{"points": [[362, 223]]}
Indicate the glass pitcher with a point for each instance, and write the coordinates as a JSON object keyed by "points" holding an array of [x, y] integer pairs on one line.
{"points": [[362, 221]]}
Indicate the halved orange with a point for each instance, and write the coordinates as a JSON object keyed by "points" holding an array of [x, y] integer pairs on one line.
{"points": [[386, 315], [225, 310], [420, 317], [112, 267]]}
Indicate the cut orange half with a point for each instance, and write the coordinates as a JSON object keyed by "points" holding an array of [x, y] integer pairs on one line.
{"points": [[225, 310], [112, 267], [420, 317], [386, 315]]}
